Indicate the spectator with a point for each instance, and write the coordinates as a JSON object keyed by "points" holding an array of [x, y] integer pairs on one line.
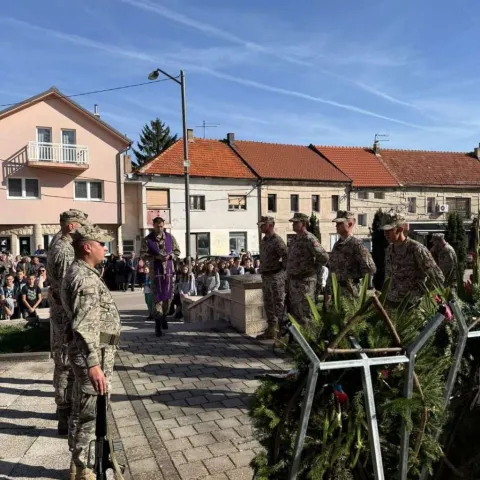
{"points": [[185, 287], [148, 293], [7, 298], [141, 273], [131, 265], [31, 297], [256, 265], [39, 250], [248, 268], [17, 260], [230, 263], [237, 269], [121, 273], [110, 268], [210, 280], [36, 265], [18, 284], [233, 253], [224, 273], [41, 280]]}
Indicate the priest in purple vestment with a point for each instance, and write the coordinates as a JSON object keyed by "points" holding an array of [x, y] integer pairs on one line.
{"points": [[161, 251]]}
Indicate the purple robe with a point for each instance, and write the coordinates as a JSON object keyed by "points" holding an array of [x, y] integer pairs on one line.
{"points": [[163, 271]]}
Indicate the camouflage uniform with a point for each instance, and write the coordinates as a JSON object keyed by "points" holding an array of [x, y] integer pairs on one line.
{"points": [[59, 258], [273, 255], [305, 258], [408, 265], [160, 308], [446, 258], [95, 326]]}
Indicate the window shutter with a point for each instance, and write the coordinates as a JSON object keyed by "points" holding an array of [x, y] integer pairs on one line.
{"points": [[157, 198]]}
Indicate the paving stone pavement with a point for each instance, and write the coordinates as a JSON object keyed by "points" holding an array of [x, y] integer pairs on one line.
{"points": [[179, 404]]}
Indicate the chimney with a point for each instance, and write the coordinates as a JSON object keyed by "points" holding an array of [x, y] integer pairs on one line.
{"points": [[127, 164], [231, 139], [476, 151], [190, 136], [376, 146], [95, 110]]}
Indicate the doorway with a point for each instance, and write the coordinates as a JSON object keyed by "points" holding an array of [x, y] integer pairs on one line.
{"points": [[25, 247], [5, 244]]}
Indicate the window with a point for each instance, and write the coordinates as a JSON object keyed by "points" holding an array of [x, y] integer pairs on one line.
{"points": [[315, 203], [197, 202], [459, 205], [290, 237], [379, 195], [237, 202], [69, 151], [272, 202], [363, 195], [238, 241], [200, 244], [88, 191], [335, 203], [294, 203], [362, 219], [412, 205], [23, 188], [128, 246], [431, 205]]}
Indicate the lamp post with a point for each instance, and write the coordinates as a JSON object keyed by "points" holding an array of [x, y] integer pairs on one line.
{"points": [[186, 164]]}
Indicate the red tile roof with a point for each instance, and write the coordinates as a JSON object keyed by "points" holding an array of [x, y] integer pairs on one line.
{"points": [[360, 164], [417, 167], [287, 162], [208, 158]]}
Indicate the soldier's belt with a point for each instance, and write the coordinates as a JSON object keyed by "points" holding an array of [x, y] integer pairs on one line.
{"points": [[109, 338]]}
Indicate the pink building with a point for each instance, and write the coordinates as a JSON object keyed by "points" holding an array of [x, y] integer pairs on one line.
{"points": [[56, 155]]}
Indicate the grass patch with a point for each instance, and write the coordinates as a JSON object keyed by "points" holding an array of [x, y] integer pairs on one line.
{"points": [[20, 339]]}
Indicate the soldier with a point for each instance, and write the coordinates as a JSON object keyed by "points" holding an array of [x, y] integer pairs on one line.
{"points": [[60, 257], [161, 250], [273, 257], [305, 259], [93, 333], [446, 258], [349, 260], [408, 264]]}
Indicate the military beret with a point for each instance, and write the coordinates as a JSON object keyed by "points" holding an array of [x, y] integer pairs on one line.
{"points": [[393, 221], [265, 220], [74, 215], [91, 232], [343, 215], [299, 217]]}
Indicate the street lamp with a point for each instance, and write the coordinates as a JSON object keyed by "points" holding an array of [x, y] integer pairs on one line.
{"points": [[186, 164]]}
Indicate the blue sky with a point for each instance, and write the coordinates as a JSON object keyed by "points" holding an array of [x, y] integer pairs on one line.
{"points": [[330, 73]]}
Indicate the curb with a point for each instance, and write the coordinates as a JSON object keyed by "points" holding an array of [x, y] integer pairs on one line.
{"points": [[25, 356]]}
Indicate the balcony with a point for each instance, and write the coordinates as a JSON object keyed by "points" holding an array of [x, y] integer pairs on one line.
{"points": [[57, 155], [162, 212]]}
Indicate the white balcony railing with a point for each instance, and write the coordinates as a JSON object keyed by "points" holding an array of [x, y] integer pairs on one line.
{"points": [[57, 153]]}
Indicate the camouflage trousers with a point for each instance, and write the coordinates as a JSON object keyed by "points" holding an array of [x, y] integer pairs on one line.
{"points": [[298, 306], [162, 307], [62, 375], [84, 412], [273, 288]]}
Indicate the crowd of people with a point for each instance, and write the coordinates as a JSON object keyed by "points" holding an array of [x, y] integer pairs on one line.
{"points": [[21, 282]]}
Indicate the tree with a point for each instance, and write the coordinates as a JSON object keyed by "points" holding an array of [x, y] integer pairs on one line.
{"points": [[379, 245], [314, 227], [154, 139], [456, 236]]}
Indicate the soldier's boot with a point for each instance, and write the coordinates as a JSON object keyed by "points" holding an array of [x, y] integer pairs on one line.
{"points": [[269, 333], [73, 471], [158, 327], [86, 474], [62, 415], [164, 322]]}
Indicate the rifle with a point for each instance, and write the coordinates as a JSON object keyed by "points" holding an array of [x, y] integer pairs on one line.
{"points": [[104, 451]]}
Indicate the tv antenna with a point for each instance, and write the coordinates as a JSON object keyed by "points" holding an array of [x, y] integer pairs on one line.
{"points": [[206, 125], [381, 137]]}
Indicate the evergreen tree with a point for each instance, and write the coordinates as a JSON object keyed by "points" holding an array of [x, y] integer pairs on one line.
{"points": [[154, 139], [314, 227], [379, 245], [456, 236]]}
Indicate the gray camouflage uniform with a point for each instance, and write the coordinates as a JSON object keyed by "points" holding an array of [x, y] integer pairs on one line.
{"points": [[446, 259], [59, 258], [95, 330], [273, 256], [305, 259]]}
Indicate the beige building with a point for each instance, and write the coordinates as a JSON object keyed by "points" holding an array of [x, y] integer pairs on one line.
{"points": [[293, 178], [56, 155]]}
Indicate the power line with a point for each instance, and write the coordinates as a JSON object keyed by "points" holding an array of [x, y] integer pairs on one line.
{"points": [[100, 91]]}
